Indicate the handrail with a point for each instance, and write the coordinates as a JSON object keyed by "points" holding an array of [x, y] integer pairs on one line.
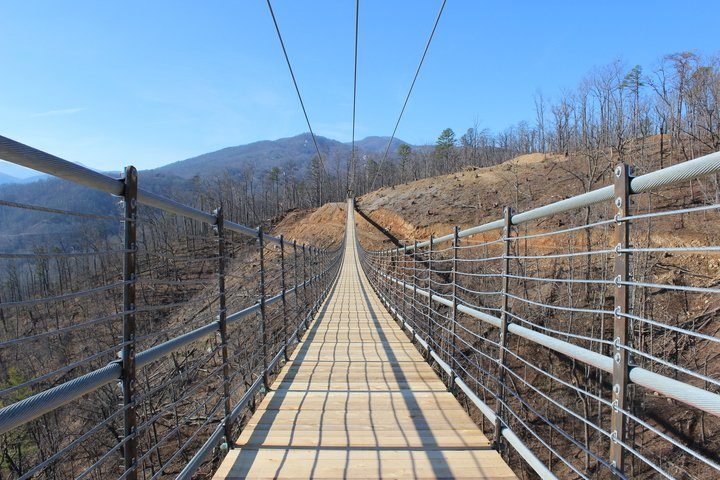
{"points": [[696, 168], [697, 397], [21, 154], [41, 403]]}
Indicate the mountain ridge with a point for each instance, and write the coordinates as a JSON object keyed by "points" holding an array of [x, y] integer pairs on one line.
{"points": [[291, 153]]}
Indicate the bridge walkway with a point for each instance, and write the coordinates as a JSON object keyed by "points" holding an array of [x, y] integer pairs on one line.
{"points": [[357, 400]]}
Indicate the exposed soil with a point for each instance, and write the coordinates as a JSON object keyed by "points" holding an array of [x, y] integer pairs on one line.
{"points": [[325, 227]]}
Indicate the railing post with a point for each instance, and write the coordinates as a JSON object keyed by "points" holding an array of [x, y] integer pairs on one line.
{"points": [[429, 302], [298, 310], [286, 329], [222, 323], [314, 276], [414, 297], [403, 287], [263, 316], [313, 281], [504, 321], [304, 262], [388, 283], [620, 323], [396, 286], [453, 326], [128, 349], [318, 286]]}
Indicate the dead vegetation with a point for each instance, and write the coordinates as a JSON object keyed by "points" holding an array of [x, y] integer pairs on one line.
{"points": [[51, 332]]}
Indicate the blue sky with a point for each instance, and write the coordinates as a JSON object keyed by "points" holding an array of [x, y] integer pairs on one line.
{"points": [[146, 83]]}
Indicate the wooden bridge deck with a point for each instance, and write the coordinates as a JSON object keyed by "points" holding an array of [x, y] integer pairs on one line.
{"points": [[357, 400]]}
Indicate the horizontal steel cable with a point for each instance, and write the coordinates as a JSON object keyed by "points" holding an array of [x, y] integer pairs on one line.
{"points": [[66, 296], [37, 208], [60, 331], [23, 255], [684, 331], [64, 369]]}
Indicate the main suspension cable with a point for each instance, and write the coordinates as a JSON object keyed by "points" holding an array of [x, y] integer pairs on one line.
{"points": [[292, 74], [407, 97], [352, 155]]}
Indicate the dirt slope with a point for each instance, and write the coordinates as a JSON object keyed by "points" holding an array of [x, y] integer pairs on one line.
{"points": [[325, 226]]}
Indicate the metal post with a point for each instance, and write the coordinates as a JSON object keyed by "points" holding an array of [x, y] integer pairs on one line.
{"points": [[396, 286], [403, 296], [286, 329], [298, 310], [307, 305], [222, 323], [311, 277], [316, 274], [414, 297], [128, 349], [384, 269], [620, 323], [504, 321], [453, 327], [430, 290], [263, 316]]}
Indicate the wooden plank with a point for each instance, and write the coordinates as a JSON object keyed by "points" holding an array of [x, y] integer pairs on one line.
{"points": [[330, 399], [405, 420], [357, 400], [363, 463], [278, 436]]}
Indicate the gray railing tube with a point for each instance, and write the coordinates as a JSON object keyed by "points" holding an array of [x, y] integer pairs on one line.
{"points": [[683, 392], [691, 169], [30, 408], [30, 157]]}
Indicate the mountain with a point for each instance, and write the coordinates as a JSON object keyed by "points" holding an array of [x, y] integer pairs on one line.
{"points": [[23, 230], [377, 145], [292, 153], [5, 178], [11, 173]]}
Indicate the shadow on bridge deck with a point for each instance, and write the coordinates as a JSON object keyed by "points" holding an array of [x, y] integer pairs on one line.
{"points": [[357, 400]]}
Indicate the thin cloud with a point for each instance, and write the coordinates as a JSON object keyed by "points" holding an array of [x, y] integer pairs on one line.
{"points": [[55, 113]]}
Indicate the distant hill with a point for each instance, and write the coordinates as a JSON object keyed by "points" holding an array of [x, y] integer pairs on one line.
{"points": [[11, 173], [22, 229], [292, 153], [5, 178], [377, 145]]}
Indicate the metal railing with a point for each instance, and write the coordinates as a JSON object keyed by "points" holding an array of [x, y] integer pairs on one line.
{"points": [[135, 352], [586, 337]]}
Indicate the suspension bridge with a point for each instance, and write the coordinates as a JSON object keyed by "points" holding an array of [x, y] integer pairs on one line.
{"points": [[433, 359], [357, 400]]}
